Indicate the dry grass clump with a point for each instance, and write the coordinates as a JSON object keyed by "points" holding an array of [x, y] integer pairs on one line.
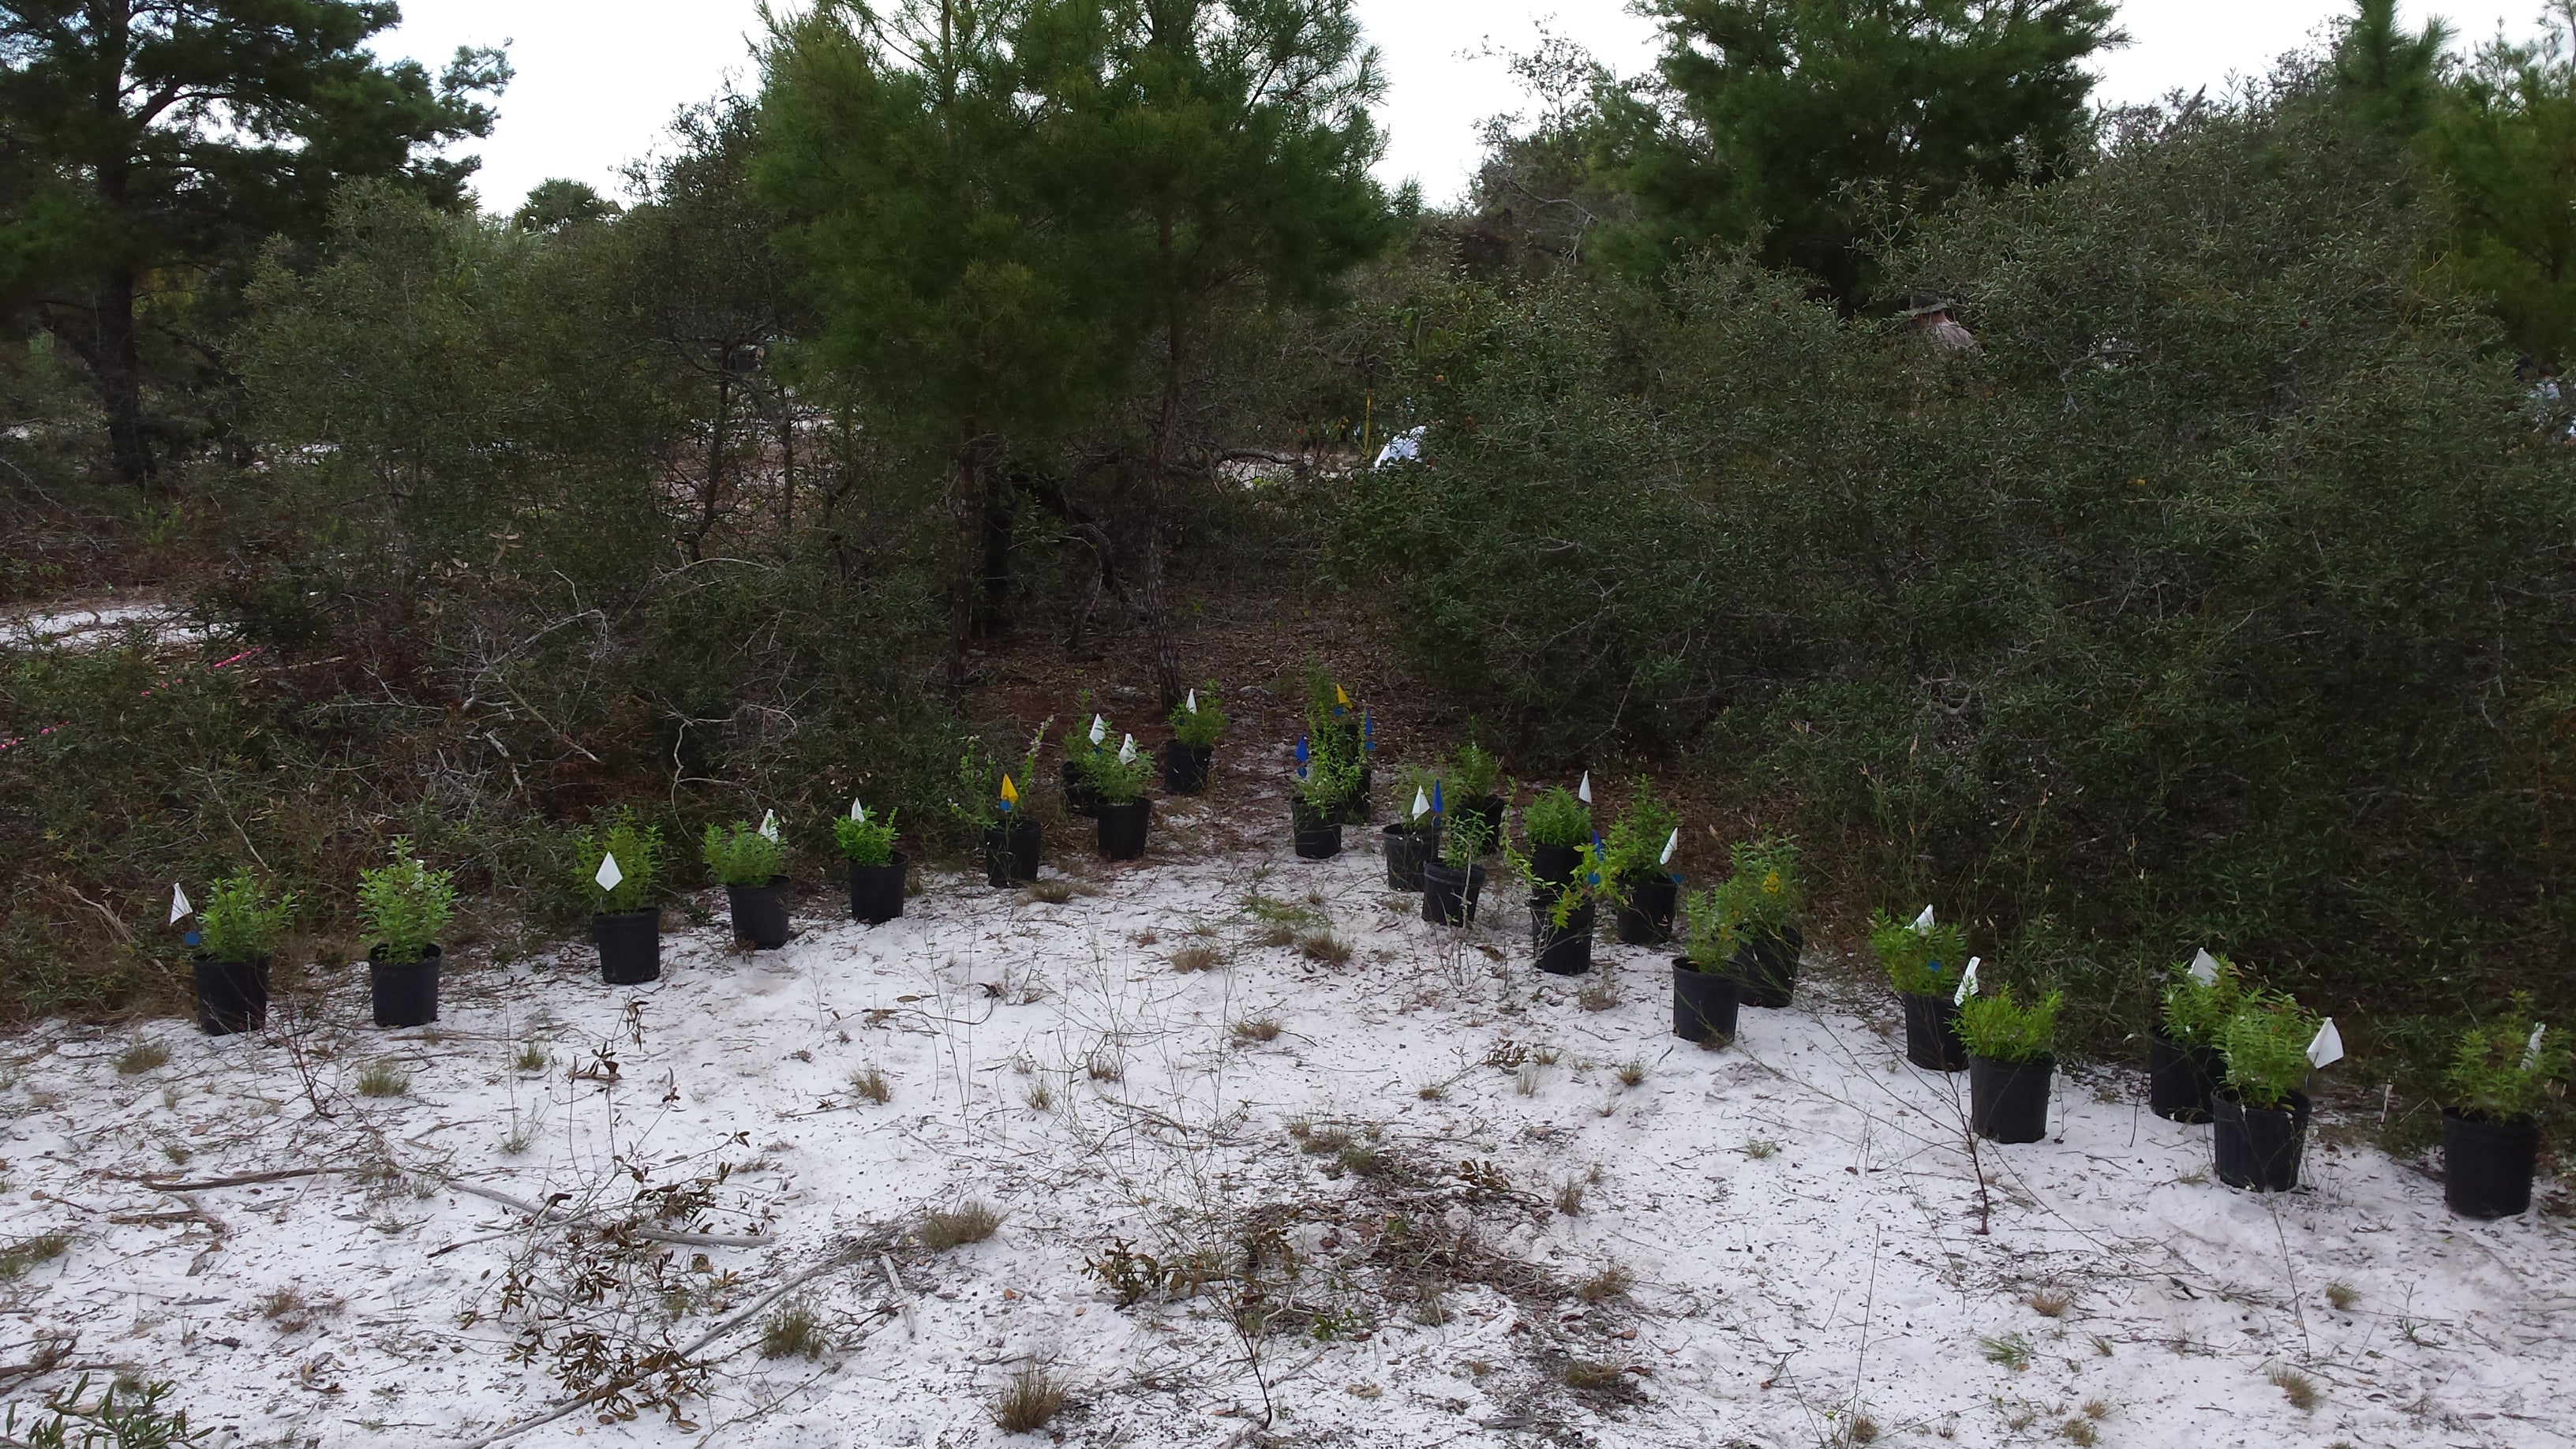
{"points": [[2080, 1432], [291, 1311], [1051, 892], [26, 1253], [1597, 995], [1103, 1067], [794, 1331], [1607, 1286], [1030, 1401], [530, 1057], [1197, 956], [1525, 1081], [1631, 1072], [1321, 945], [1040, 1096], [382, 1079], [2050, 1302], [870, 1084], [968, 1222], [1587, 1376], [1569, 1197], [2342, 1295], [1256, 1028], [141, 1057], [2295, 1386]]}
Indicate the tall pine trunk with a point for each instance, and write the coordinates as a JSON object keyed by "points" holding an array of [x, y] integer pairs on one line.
{"points": [[1167, 434], [117, 363], [969, 484]]}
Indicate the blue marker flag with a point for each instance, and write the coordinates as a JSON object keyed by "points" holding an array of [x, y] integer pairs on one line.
{"points": [[1435, 797]]}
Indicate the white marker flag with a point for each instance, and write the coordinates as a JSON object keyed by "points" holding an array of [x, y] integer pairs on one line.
{"points": [[2531, 1053], [1923, 922], [1421, 803], [1194, 701], [2204, 967], [1967, 982], [1099, 730], [2327, 1049], [1127, 751], [858, 812], [1583, 792], [1670, 845], [179, 907], [609, 875], [769, 827]]}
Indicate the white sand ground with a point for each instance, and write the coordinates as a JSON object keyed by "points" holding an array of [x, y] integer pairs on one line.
{"points": [[94, 623], [1798, 1211]]}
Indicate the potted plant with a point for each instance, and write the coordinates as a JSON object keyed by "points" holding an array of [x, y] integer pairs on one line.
{"points": [[1338, 731], [750, 862], [1413, 841], [1562, 918], [1319, 799], [1704, 974], [876, 867], [1082, 745], [1559, 827], [2261, 1109], [237, 932], [405, 905], [1475, 787], [1637, 860], [1197, 726], [2012, 1056], [2183, 1062], [1923, 960], [1762, 899], [2490, 1130], [622, 865], [988, 797], [1118, 783], [1452, 884]]}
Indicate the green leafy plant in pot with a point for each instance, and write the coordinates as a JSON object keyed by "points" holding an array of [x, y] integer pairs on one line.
{"points": [[1559, 827], [1320, 799], [2012, 1059], [1763, 900], [1082, 745], [1636, 859], [751, 863], [994, 799], [1198, 726], [1118, 780], [1453, 883], [1339, 731], [2261, 1109], [238, 930], [405, 905], [622, 864], [2184, 1063], [2500, 1073], [1704, 996], [866, 841], [1475, 780], [1923, 958], [1413, 840]]}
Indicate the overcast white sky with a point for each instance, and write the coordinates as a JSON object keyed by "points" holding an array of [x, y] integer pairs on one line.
{"points": [[599, 79]]}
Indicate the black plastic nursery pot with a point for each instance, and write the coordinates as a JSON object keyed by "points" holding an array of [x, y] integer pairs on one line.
{"points": [[1703, 1003], [406, 992], [630, 946], [876, 891], [1185, 767], [1408, 849], [1766, 967], [1318, 835], [1011, 852], [2008, 1101], [232, 996], [1079, 796], [760, 913], [1562, 950], [1932, 1033], [1647, 918], [2180, 1079], [2487, 1164], [2258, 1148], [1449, 895], [1555, 864], [1122, 829]]}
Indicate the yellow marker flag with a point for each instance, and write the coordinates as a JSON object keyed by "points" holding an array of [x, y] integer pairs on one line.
{"points": [[1342, 694], [1010, 792]]}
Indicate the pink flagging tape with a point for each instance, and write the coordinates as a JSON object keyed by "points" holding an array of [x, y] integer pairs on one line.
{"points": [[15, 741]]}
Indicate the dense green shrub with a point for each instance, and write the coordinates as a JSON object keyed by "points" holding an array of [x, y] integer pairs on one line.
{"points": [[2498, 1071], [740, 855], [2000, 1030], [242, 920], [1924, 961], [2266, 1048], [405, 904]]}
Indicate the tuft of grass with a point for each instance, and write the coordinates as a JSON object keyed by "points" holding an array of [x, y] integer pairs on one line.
{"points": [[1274, 933], [1631, 1072], [1547, 1056], [1607, 1286], [1361, 1160], [1569, 1197], [870, 1084], [1051, 892], [1587, 1376], [2295, 1386], [2050, 1302], [531, 1058], [382, 1079], [1321, 945], [1862, 1430], [1433, 1091], [1716, 1041], [1760, 1147], [968, 1222], [1105, 1068], [1430, 1306], [794, 1331], [2012, 1351], [1597, 995], [26, 1253], [1197, 956], [1525, 1081], [2342, 1295], [1040, 1096], [141, 1057], [2080, 1432], [1256, 1028], [2097, 1408], [1030, 1401]]}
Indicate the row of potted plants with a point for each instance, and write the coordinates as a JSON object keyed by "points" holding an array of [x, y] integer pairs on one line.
{"points": [[404, 905]]}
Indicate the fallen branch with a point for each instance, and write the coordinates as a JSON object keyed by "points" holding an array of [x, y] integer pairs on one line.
{"points": [[549, 1218]]}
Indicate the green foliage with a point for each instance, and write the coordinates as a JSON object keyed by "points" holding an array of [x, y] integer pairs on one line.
{"points": [[1332, 776], [1557, 818], [975, 790], [1766, 892], [1995, 1028], [405, 905], [1119, 782], [1473, 774], [2197, 1015], [1200, 728], [2266, 1047], [1923, 963], [1412, 782], [124, 1415], [1634, 848], [641, 856], [740, 855], [2494, 1075], [1708, 930], [241, 921], [1465, 838], [866, 842]]}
